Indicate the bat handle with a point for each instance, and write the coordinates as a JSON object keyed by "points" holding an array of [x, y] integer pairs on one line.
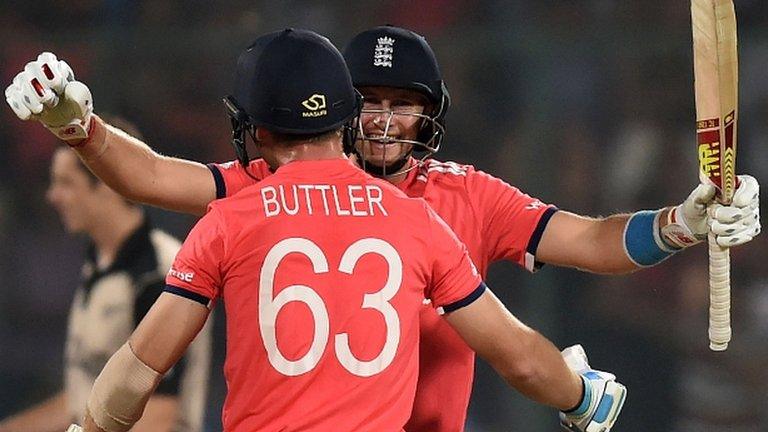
{"points": [[719, 295]]}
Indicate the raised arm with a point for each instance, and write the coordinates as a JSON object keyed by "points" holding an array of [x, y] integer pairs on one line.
{"points": [[626, 242], [121, 391], [46, 90], [139, 173]]}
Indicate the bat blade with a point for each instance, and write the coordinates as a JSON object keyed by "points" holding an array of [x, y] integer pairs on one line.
{"points": [[715, 59], [715, 63]]}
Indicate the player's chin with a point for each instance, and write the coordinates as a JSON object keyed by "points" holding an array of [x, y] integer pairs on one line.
{"points": [[379, 161], [382, 154]]}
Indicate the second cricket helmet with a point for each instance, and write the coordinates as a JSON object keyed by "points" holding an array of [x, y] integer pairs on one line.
{"points": [[292, 82], [391, 56]]}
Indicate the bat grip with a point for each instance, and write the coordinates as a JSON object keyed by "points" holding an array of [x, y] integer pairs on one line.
{"points": [[719, 295]]}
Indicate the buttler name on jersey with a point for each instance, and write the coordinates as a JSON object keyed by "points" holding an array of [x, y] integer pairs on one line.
{"points": [[349, 200]]}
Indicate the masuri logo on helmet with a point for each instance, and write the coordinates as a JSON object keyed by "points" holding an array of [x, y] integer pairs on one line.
{"points": [[316, 106], [272, 80]]}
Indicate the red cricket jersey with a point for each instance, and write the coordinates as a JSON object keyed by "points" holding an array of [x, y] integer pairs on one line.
{"points": [[323, 271], [495, 220]]}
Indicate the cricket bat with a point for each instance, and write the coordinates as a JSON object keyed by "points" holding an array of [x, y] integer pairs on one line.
{"points": [[715, 66]]}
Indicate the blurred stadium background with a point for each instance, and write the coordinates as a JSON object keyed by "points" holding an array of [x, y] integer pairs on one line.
{"points": [[585, 104]]}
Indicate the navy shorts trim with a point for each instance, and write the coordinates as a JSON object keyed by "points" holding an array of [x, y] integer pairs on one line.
{"points": [[221, 187], [183, 292], [466, 301]]}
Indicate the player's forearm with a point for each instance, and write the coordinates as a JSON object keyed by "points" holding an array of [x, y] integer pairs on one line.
{"points": [[524, 358], [139, 173], [50, 415], [609, 255], [541, 375], [591, 244]]}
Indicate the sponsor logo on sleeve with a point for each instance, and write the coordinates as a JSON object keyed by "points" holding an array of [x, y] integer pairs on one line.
{"points": [[182, 276], [535, 205]]}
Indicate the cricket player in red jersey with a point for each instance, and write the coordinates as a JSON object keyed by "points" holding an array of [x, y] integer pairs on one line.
{"points": [[323, 270], [404, 114]]}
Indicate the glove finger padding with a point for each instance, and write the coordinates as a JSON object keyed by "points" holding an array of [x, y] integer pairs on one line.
{"points": [[40, 80], [746, 234], [15, 101], [729, 214], [721, 229], [32, 99], [748, 192], [53, 72]]}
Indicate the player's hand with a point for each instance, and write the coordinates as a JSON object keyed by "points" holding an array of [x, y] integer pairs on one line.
{"points": [[739, 222], [603, 396], [733, 225], [74, 428], [46, 90], [687, 223]]}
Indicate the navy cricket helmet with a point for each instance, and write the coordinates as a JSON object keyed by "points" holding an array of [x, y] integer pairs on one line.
{"points": [[292, 82], [391, 56]]}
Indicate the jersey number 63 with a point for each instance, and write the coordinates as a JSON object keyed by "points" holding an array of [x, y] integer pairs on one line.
{"points": [[269, 306]]}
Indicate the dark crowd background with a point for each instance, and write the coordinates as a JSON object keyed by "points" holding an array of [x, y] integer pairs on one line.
{"points": [[585, 104]]}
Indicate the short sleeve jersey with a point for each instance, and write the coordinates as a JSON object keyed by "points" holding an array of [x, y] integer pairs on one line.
{"points": [[323, 271], [496, 221]]}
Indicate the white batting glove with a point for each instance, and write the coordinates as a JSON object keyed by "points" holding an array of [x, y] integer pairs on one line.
{"points": [[74, 428], [603, 396], [739, 222], [733, 225], [46, 90], [687, 223]]}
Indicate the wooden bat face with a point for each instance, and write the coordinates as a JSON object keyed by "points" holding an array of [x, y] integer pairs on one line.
{"points": [[716, 83]]}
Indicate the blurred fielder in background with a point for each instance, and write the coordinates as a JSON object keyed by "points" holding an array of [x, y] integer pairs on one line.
{"points": [[404, 112], [293, 270], [122, 276]]}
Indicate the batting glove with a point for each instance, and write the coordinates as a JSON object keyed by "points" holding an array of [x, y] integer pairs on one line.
{"points": [[74, 428], [603, 396], [733, 225], [46, 90], [739, 222]]}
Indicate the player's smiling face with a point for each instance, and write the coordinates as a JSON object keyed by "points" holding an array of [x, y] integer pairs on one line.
{"points": [[389, 114], [71, 191]]}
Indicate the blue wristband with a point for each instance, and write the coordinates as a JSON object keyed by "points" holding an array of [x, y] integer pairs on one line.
{"points": [[586, 399], [642, 242]]}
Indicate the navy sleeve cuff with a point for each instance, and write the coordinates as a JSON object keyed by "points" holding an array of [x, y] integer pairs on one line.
{"points": [[466, 301], [533, 242], [203, 300], [221, 187]]}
